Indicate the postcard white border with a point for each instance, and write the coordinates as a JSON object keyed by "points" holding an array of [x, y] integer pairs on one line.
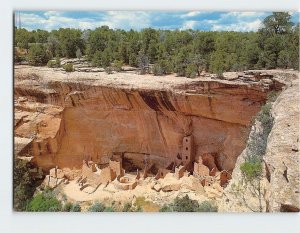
{"points": [[118, 222]]}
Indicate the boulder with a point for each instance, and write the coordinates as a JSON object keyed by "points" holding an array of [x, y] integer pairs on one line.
{"points": [[157, 187], [230, 75], [170, 183], [192, 183]]}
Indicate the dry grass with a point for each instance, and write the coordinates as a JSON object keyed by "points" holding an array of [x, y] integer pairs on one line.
{"points": [[146, 206]]}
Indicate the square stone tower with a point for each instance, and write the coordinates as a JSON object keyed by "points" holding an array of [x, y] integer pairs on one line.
{"points": [[187, 150]]}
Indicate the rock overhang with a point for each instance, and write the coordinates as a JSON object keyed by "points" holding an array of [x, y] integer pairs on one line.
{"points": [[102, 114]]}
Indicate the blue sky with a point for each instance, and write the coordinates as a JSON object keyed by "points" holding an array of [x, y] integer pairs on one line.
{"points": [[197, 20]]}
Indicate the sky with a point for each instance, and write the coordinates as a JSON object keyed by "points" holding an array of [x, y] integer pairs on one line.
{"points": [[137, 20]]}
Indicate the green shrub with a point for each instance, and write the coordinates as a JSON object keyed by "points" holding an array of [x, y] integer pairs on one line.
{"points": [[158, 70], [219, 74], [68, 67], [44, 202], [70, 207], [143, 62], [109, 209], [127, 208], [162, 67], [37, 55], [25, 180], [251, 170], [207, 206], [117, 66], [97, 59], [54, 63], [185, 204], [96, 207], [18, 56], [264, 116], [67, 207], [51, 64], [191, 71], [75, 208], [78, 54], [272, 96], [166, 208]]}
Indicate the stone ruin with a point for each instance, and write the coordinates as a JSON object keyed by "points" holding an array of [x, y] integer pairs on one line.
{"points": [[56, 176], [92, 176]]}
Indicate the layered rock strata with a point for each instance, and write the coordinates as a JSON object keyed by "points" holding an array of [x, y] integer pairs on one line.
{"points": [[280, 184], [68, 118]]}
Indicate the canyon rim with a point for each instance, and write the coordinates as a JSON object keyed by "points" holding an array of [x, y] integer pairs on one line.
{"points": [[120, 118]]}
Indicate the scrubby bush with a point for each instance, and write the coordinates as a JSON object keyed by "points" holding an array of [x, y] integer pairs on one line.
{"points": [[191, 71], [143, 63], [127, 208], [18, 55], [78, 54], [117, 66], [251, 170], [68, 67], [70, 207], [54, 63], [158, 70], [162, 67], [166, 208], [252, 167], [97, 59], [24, 183], [207, 206], [44, 202], [185, 204], [109, 209], [37, 55], [51, 64], [272, 96], [97, 207]]}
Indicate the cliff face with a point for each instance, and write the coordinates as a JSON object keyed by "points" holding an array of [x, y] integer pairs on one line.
{"points": [[71, 117], [280, 184], [282, 156]]}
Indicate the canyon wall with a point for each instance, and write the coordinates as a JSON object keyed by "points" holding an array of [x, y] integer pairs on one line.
{"points": [[280, 184], [72, 117]]}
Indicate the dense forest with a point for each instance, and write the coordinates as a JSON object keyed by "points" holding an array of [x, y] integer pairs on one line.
{"points": [[184, 52]]}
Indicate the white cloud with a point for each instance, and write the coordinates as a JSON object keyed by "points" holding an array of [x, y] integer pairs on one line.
{"points": [[189, 24], [240, 26], [114, 19], [52, 13], [127, 19], [53, 20], [243, 15], [191, 14], [235, 21]]}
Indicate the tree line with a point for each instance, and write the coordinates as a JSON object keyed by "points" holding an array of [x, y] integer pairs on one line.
{"points": [[184, 52]]}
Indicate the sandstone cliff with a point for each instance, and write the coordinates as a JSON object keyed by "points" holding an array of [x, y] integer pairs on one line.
{"points": [[280, 184], [71, 117]]}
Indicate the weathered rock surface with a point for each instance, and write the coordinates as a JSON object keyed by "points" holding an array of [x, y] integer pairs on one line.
{"points": [[281, 181], [74, 116], [282, 156]]}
